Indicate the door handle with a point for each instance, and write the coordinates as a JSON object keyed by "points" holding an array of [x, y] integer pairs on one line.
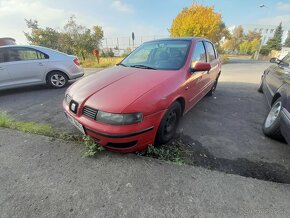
{"points": [[40, 64], [1, 68]]}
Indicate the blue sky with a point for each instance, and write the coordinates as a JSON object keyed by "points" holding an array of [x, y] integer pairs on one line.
{"points": [[121, 17]]}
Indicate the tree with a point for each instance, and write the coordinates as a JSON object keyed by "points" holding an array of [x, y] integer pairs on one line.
{"points": [[198, 20], [74, 39], [274, 43], [233, 43], [47, 37], [287, 42]]}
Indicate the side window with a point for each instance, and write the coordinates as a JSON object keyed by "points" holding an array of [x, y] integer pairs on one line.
{"points": [[2, 55], [210, 51], [199, 54], [22, 54]]}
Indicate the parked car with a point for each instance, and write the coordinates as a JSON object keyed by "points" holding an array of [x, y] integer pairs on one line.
{"points": [[275, 84], [33, 65], [140, 101]]}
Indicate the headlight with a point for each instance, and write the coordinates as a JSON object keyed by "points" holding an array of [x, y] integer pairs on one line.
{"points": [[119, 119]]}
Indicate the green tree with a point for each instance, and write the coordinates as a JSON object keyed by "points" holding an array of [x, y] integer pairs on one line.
{"points": [[74, 39], [198, 20], [233, 43], [46, 37], [276, 42]]}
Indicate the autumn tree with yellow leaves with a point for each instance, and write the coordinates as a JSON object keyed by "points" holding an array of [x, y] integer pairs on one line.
{"points": [[199, 20]]}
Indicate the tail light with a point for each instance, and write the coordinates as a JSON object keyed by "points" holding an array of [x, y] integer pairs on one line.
{"points": [[77, 62]]}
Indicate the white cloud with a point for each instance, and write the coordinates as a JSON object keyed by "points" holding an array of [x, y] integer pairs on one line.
{"points": [[283, 6], [13, 13], [122, 7]]}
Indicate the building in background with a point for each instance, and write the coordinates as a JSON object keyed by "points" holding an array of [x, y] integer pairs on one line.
{"points": [[267, 31], [7, 41]]}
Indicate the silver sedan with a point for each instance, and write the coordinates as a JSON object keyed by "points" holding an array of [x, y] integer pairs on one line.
{"points": [[34, 65]]}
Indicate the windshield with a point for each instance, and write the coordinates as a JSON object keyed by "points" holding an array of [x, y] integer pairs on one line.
{"points": [[159, 55]]}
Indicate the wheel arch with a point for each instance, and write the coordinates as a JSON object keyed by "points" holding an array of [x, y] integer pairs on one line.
{"points": [[276, 96], [181, 101], [56, 70]]}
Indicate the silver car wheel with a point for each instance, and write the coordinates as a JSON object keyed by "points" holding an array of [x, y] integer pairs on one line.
{"points": [[58, 80], [273, 114]]}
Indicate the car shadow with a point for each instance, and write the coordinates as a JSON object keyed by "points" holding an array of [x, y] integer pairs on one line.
{"points": [[229, 125]]}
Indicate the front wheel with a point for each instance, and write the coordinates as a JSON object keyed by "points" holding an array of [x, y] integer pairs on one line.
{"points": [[271, 125], [56, 79], [169, 123]]}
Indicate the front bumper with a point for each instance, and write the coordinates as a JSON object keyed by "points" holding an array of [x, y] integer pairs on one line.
{"points": [[285, 124], [127, 138]]}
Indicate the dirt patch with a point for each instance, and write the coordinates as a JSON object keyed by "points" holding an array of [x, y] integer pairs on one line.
{"points": [[197, 155]]}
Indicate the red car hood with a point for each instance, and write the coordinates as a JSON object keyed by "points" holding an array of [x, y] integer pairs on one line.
{"points": [[114, 89]]}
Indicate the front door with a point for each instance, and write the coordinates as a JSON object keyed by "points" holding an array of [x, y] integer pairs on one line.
{"points": [[195, 80]]}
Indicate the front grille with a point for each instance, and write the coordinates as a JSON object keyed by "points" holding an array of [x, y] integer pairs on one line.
{"points": [[90, 112]]}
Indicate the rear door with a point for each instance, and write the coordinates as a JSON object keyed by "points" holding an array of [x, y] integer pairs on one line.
{"points": [[212, 59], [4, 75], [26, 65]]}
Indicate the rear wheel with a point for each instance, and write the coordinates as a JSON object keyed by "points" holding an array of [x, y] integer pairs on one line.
{"points": [[271, 125], [169, 123], [56, 79]]}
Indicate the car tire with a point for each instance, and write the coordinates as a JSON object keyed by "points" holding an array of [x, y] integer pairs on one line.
{"points": [[260, 88], [271, 126], [56, 79], [213, 88], [169, 123]]}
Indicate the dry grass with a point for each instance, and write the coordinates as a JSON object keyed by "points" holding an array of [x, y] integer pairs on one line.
{"points": [[104, 62]]}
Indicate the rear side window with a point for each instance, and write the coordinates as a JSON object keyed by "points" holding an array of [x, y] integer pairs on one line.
{"points": [[22, 54], [2, 55], [211, 56], [199, 54]]}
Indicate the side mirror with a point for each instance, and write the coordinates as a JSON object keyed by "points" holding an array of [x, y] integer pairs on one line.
{"points": [[200, 66], [275, 60]]}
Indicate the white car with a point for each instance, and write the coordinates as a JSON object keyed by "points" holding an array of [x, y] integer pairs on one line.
{"points": [[33, 65]]}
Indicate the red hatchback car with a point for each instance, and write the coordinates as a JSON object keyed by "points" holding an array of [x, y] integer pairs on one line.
{"points": [[140, 101]]}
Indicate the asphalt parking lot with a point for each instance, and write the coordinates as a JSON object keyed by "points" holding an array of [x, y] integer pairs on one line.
{"points": [[225, 127]]}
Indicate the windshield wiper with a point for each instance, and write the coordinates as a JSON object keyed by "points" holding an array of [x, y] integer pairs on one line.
{"points": [[120, 64], [143, 66]]}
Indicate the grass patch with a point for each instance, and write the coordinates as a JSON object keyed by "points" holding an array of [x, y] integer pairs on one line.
{"points": [[92, 148], [104, 62], [172, 152], [28, 127], [6, 121]]}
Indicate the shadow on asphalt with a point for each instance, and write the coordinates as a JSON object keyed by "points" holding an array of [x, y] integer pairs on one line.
{"points": [[201, 157], [224, 133]]}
